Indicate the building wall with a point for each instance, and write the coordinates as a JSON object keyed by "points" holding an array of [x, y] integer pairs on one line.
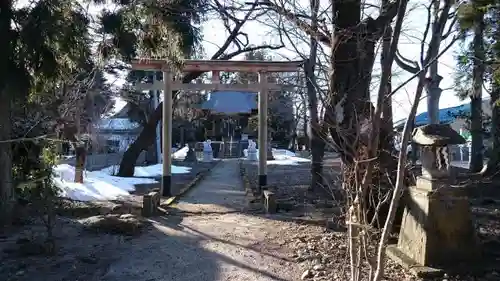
{"points": [[107, 149], [120, 142], [102, 160]]}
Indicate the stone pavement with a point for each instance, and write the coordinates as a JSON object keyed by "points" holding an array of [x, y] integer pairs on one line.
{"points": [[208, 237], [221, 191]]}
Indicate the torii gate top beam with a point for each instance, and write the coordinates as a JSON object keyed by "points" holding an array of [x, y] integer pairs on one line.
{"points": [[221, 65]]}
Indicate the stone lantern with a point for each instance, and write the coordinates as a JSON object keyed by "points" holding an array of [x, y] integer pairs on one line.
{"points": [[437, 230]]}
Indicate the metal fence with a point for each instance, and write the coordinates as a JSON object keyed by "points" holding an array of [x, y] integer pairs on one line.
{"points": [[223, 149]]}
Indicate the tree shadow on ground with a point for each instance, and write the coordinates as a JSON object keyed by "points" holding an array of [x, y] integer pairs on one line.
{"points": [[163, 252], [166, 250], [196, 255], [295, 199], [485, 212]]}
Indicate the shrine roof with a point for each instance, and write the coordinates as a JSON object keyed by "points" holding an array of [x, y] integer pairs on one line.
{"points": [[231, 102]]}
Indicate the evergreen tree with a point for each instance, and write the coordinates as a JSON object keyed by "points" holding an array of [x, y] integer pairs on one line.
{"points": [[45, 43], [478, 67]]}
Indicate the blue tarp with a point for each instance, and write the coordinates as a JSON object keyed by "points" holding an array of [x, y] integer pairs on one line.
{"points": [[446, 116], [231, 102]]}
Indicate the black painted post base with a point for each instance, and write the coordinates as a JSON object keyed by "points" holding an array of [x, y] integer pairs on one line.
{"points": [[166, 184], [262, 181]]}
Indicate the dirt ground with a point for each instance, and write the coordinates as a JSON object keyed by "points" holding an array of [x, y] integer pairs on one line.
{"points": [[313, 211], [211, 234], [208, 235]]}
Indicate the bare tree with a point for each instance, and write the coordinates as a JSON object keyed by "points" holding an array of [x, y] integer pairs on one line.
{"points": [[350, 40], [317, 137], [428, 61], [235, 39], [438, 12], [354, 124], [305, 46], [439, 29]]}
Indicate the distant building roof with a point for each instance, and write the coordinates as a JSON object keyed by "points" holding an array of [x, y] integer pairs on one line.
{"points": [[230, 102], [123, 112], [446, 116], [117, 124]]}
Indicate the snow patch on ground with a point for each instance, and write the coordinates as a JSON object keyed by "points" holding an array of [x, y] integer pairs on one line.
{"points": [[148, 171], [282, 157], [180, 153], [102, 185]]}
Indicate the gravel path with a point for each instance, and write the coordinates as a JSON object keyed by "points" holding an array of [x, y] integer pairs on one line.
{"points": [[207, 237]]}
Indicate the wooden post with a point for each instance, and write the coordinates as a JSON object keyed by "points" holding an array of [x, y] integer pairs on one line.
{"points": [[79, 149], [215, 77], [167, 134], [263, 129], [156, 97]]}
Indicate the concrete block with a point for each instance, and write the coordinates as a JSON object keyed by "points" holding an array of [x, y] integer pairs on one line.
{"points": [[150, 204]]}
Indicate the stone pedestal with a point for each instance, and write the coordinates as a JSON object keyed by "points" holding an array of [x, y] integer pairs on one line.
{"points": [[437, 231], [252, 155], [208, 154], [251, 151]]}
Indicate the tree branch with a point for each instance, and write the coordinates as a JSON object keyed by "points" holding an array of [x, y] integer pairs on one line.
{"points": [[406, 64], [219, 55], [426, 32], [430, 60], [303, 25], [452, 25], [387, 16]]}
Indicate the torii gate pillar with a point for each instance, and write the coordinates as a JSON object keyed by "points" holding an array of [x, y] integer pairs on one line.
{"points": [[263, 92], [166, 180]]}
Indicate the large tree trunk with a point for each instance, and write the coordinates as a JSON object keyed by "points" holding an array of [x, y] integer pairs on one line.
{"points": [[143, 141], [148, 133], [387, 142], [348, 91], [432, 86], [80, 159], [316, 134], [349, 113], [494, 161], [351, 71], [305, 128], [6, 180], [476, 125]]}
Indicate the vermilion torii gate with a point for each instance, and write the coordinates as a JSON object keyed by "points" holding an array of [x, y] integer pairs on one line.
{"points": [[215, 66]]}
